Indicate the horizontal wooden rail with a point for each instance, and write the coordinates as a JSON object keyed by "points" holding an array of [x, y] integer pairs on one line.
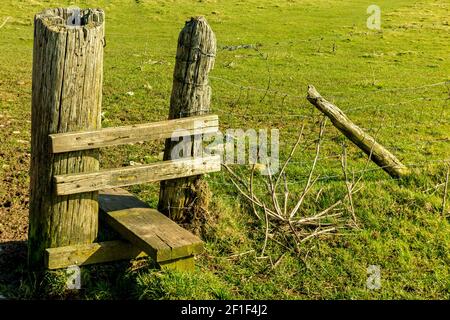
{"points": [[84, 140], [120, 177], [85, 254]]}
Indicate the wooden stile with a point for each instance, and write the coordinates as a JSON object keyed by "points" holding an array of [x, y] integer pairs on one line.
{"points": [[147, 233], [66, 134], [84, 140]]}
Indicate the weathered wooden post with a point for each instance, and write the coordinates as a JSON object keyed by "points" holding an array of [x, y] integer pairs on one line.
{"points": [[191, 95], [377, 153], [66, 96]]}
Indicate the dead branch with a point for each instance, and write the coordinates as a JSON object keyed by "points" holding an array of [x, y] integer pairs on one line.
{"points": [[348, 184], [317, 232], [309, 184], [266, 233], [444, 197], [278, 218], [380, 155], [4, 22]]}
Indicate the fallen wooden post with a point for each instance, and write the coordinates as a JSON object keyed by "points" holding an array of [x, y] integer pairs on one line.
{"points": [[378, 154]]}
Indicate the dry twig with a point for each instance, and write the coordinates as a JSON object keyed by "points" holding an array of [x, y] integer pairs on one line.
{"points": [[4, 22], [291, 224], [444, 197]]}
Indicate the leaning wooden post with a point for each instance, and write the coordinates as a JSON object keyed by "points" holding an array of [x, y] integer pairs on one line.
{"points": [[191, 95], [378, 154], [66, 96]]}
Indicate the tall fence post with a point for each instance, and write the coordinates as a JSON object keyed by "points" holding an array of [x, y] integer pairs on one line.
{"points": [[66, 96], [191, 95]]}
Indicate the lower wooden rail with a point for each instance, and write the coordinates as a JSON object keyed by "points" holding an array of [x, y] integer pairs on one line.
{"points": [[120, 177], [85, 254]]}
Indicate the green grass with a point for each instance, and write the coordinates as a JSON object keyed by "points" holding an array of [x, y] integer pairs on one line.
{"points": [[379, 78]]}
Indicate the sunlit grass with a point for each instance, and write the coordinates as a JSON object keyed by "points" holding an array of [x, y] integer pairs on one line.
{"points": [[382, 79]]}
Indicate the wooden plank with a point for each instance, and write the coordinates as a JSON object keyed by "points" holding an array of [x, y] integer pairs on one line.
{"points": [[116, 199], [154, 233], [183, 264], [84, 140], [85, 254], [164, 170]]}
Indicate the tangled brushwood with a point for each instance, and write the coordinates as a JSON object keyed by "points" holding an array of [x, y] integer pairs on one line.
{"points": [[286, 218]]}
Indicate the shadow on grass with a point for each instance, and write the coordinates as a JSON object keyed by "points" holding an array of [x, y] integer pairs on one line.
{"points": [[13, 262], [103, 281]]}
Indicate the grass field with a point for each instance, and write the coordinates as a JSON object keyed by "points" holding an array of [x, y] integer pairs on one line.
{"points": [[393, 82]]}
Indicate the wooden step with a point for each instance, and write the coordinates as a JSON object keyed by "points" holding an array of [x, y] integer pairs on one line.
{"points": [[91, 253], [148, 229]]}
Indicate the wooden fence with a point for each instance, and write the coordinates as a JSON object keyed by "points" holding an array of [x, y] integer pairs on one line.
{"points": [[69, 192]]}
